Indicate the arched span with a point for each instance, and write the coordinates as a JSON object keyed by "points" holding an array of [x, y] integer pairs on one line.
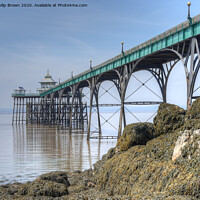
{"points": [[180, 58], [139, 83], [82, 84], [162, 76], [115, 75], [55, 94], [115, 83], [65, 90], [48, 96]]}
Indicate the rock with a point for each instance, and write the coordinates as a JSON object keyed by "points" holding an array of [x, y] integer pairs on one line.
{"points": [[181, 142], [135, 134], [43, 188], [194, 111], [110, 154], [58, 177], [169, 118], [149, 168], [188, 138], [192, 117], [91, 184], [10, 189]]}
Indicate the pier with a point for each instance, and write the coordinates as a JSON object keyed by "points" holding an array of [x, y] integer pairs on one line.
{"points": [[61, 104]]}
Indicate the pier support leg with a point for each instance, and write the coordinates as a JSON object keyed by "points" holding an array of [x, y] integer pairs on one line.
{"points": [[124, 116], [59, 108], [123, 85], [13, 117], [190, 75], [17, 112], [72, 106], [98, 114], [20, 102], [90, 112], [23, 111], [81, 120], [121, 114]]}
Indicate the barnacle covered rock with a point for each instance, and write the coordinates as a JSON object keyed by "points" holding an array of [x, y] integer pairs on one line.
{"points": [[169, 118], [57, 176], [192, 117], [135, 134]]}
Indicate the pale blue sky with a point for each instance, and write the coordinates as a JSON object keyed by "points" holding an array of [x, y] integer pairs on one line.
{"points": [[33, 40]]}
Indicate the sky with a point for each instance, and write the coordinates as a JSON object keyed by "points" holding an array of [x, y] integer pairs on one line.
{"points": [[33, 40]]}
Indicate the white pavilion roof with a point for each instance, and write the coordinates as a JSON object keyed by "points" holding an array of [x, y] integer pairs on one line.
{"points": [[48, 79]]}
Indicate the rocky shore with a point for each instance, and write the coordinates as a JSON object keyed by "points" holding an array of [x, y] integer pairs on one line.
{"points": [[150, 161]]}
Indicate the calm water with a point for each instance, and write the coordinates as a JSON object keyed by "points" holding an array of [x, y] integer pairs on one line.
{"points": [[27, 151]]}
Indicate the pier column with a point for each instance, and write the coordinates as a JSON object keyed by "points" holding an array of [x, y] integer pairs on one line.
{"points": [[74, 87], [191, 65], [121, 112], [123, 85], [91, 105], [45, 110], [50, 108], [23, 111], [13, 117], [98, 114], [41, 113], [16, 112], [67, 111], [20, 99], [39, 108], [81, 120], [190, 74], [59, 106]]}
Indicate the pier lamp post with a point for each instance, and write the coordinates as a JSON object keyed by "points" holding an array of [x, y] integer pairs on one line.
{"points": [[122, 47], [189, 4], [72, 74], [90, 64]]}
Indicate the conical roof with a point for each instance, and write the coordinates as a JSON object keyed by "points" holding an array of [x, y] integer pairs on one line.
{"points": [[48, 79]]}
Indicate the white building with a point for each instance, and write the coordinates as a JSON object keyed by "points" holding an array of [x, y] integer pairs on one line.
{"points": [[19, 91], [47, 83]]}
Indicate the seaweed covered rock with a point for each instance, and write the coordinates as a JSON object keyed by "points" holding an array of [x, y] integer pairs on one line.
{"points": [[169, 118], [135, 134], [57, 176], [110, 154], [150, 168], [38, 189], [9, 190], [194, 111], [192, 117], [43, 188]]}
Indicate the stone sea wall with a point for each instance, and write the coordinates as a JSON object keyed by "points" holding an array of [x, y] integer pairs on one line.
{"points": [[150, 161]]}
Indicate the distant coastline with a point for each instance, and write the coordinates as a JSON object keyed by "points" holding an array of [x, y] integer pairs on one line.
{"points": [[5, 110]]}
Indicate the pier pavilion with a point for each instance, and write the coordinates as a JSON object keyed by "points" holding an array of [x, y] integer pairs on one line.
{"points": [[30, 108]]}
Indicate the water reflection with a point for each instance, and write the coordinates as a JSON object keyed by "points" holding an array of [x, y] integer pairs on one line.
{"points": [[39, 149]]}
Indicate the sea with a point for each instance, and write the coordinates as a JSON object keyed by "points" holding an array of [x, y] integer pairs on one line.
{"points": [[29, 150]]}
